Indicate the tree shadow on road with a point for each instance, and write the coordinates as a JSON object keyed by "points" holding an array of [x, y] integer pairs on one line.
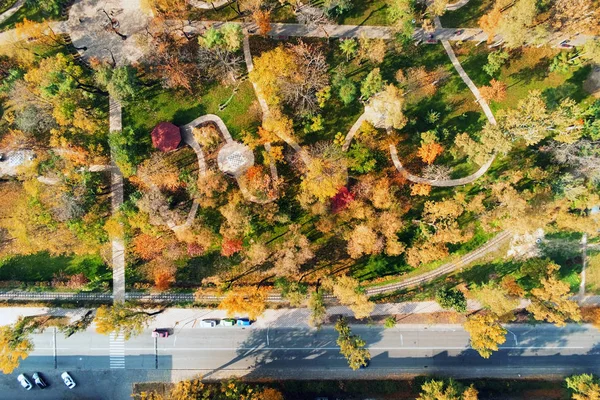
{"points": [[272, 350]]}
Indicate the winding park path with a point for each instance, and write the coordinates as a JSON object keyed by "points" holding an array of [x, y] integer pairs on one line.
{"points": [[11, 11]]}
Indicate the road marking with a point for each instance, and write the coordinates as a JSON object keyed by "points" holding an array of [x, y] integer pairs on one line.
{"points": [[117, 351], [166, 349]]}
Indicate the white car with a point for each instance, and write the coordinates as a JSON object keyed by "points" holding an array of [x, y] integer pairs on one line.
{"points": [[24, 382], [68, 380], [208, 323]]}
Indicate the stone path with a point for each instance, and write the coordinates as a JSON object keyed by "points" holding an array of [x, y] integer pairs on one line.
{"points": [[11, 11], [484, 106], [265, 107], [209, 5], [353, 131], [457, 5], [116, 187], [439, 182]]}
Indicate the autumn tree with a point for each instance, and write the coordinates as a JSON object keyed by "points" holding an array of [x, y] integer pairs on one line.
{"points": [[486, 333], [293, 252], [364, 240], [446, 390], [583, 387], [419, 189], [351, 346], [324, 174], [495, 91], [419, 82], [551, 302], [16, 343], [161, 171], [349, 293], [498, 300], [386, 108], [575, 16], [262, 19], [318, 312], [401, 13], [437, 7], [121, 319], [428, 152], [291, 75], [60, 81], [516, 22], [171, 60], [248, 300], [532, 121], [372, 50], [489, 22], [492, 140]]}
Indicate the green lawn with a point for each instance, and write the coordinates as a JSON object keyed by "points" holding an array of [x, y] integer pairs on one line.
{"points": [[592, 272], [468, 15], [6, 4], [180, 108], [42, 267], [526, 70], [31, 13], [367, 12]]}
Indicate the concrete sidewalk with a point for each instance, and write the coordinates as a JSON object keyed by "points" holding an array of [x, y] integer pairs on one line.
{"points": [[284, 317]]}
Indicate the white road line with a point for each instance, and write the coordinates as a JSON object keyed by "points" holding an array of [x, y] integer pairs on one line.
{"points": [[166, 349], [116, 351]]}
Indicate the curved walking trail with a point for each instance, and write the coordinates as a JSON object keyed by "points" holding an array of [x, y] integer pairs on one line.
{"points": [[487, 111], [457, 5], [11, 11], [490, 246]]}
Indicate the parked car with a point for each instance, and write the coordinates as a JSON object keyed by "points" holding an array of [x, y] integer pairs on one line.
{"points": [[39, 381], [208, 323], [228, 322], [24, 382], [68, 380], [243, 322], [160, 333]]}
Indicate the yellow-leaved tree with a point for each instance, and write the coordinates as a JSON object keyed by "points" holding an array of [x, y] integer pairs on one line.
{"points": [[121, 319], [486, 333], [248, 300], [15, 345]]}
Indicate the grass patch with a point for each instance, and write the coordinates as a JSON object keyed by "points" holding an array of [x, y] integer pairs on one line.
{"points": [[526, 70], [6, 4], [366, 12], [468, 15], [592, 272], [43, 267], [180, 108], [34, 13]]}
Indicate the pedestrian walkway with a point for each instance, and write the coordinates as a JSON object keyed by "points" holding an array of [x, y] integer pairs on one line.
{"points": [[117, 351], [116, 188]]}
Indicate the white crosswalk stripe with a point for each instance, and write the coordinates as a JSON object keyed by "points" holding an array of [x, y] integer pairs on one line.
{"points": [[117, 351]]}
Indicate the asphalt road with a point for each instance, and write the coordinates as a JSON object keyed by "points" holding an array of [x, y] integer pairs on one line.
{"points": [[297, 353]]}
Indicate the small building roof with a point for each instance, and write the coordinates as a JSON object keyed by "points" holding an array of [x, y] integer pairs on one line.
{"points": [[166, 136], [235, 158]]}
